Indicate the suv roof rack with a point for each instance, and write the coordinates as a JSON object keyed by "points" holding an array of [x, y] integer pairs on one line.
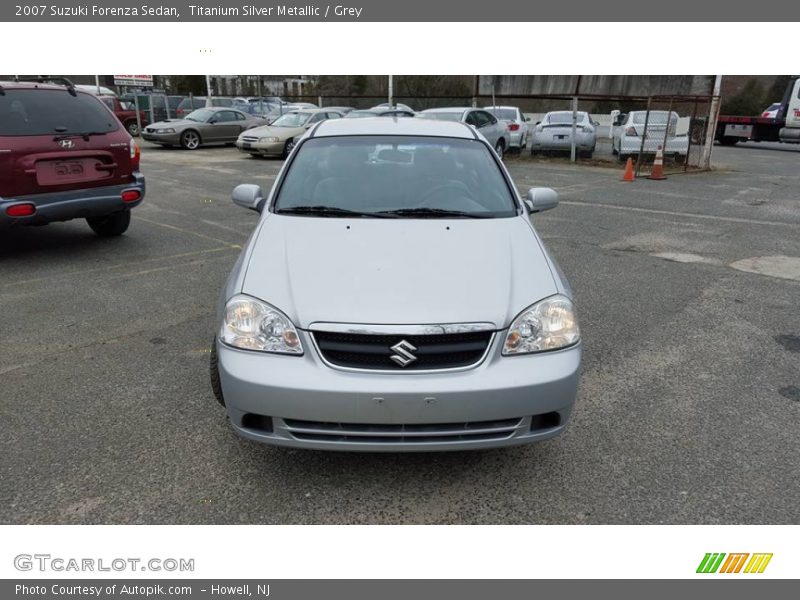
{"points": [[55, 80]]}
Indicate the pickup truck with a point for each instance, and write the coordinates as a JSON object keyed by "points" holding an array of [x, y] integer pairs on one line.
{"points": [[125, 112], [784, 127]]}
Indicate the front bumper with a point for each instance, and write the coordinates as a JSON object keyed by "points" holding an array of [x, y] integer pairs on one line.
{"points": [[162, 138], [266, 148], [302, 402], [73, 204]]}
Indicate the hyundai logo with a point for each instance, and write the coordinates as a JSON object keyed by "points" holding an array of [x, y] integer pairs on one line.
{"points": [[403, 356], [66, 144]]}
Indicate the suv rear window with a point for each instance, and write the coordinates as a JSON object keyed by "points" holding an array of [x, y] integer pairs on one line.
{"points": [[53, 112]]}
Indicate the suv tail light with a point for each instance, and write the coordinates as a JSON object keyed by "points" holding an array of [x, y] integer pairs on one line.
{"points": [[135, 155], [513, 127], [131, 195], [21, 210]]}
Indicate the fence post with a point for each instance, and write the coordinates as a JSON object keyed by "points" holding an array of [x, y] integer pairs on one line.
{"points": [[138, 115], [572, 150], [711, 126], [644, 135]]}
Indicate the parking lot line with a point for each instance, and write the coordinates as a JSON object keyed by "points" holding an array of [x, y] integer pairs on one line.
{"points": [[82, 272], [679, 214], [189, 232]]}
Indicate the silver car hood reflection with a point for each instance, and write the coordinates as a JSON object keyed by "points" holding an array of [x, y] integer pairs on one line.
{"points": [[398, 271]]}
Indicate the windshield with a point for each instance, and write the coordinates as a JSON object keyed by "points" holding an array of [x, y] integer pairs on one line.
{"points": [[57, 112], [295, 119], [441, 116], [507, 114], [380, 175], [201, 115]]}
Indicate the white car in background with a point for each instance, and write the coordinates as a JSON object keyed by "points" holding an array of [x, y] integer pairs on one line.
{"points": [[494, 130], [517, 125], [554, 133], [661, 126]]}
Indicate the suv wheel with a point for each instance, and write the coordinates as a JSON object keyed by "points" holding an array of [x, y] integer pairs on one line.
{"points": [[132, 127], [110, 225], [216, 386], [190, 140]]}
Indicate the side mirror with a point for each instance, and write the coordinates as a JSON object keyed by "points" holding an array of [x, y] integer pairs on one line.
{"points": [[248, 195], [538, 122], [527, 119], [596, 123], [212, 121], [541, 199]]}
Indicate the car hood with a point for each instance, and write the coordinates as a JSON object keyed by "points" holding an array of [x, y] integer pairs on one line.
{"points": [[174, 123], [398, 271], [278, 132]]}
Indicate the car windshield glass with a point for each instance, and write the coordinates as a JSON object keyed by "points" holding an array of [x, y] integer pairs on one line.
{"points": [[441, 116], [398, 176], [508, 114], [657, 117], [201, 115], [57, 112], [295, 119]]}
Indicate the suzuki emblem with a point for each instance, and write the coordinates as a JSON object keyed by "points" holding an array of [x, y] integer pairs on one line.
{"points": [[403, 356]]}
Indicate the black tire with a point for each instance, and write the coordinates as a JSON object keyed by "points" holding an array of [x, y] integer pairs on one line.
{"points": [[190, 140], [500, 148], [111, 225], [287, 148], [216, 385], [133, 128]]}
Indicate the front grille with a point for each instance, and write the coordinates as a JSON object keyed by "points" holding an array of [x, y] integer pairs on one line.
{"points": [[368, 351], [249, 138], [317, 431]]}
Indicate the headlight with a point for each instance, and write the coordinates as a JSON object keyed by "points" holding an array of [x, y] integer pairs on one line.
{"points": [[167, 130], [269, 139], [250, 324], [547, 325]]}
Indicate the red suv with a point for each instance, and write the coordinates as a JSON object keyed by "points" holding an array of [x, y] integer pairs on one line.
{"points": [[126, 113], [64, 155]]}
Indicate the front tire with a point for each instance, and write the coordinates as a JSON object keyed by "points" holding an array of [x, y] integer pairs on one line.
{"points": [[288, 147], [111, 225], [190, 140], [216, 384]]}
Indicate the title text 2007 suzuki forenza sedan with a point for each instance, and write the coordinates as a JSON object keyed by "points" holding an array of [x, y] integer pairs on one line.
{"points": [[395, 296]]}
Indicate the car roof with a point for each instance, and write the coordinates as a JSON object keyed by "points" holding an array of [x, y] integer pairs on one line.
{"points": [[450, 109], [498, 106], [384, 126]]}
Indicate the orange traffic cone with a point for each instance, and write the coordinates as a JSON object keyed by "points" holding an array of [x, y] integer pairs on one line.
{"points": [[658, 166], [628, 170]]}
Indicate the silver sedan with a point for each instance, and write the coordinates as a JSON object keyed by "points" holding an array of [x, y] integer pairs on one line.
{"points": [[493, 129], [554, 133]]}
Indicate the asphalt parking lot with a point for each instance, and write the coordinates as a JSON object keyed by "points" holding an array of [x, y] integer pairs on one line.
{"points": [[688, 292]]}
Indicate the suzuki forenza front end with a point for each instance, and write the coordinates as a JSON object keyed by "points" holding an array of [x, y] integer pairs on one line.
{"points": [[395, 297]]}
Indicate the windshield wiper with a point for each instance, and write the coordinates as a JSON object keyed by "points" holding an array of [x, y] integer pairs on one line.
{"points": [[329, 211], [434, 213], [84, 135]]}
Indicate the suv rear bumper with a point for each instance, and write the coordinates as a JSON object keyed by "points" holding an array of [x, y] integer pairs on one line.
{"points": [[73, 204]]}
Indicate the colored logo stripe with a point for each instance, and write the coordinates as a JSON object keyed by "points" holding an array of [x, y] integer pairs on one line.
{"points": [[758, 563], [733, 564]]}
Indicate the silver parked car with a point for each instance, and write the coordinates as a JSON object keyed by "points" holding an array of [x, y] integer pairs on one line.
{"points": [[554, 133], [517, 125], [494, 130], [279, 137], [200, 127], [395, 296], [631, 137]]}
